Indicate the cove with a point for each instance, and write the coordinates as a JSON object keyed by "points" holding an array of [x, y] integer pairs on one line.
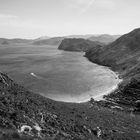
{"points": [[59, 75]]}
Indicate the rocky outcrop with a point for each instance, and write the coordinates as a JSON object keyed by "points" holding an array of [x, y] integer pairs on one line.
{"points": [[79, 45]]}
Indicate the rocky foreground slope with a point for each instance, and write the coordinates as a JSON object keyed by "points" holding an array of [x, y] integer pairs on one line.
{"points": [[28, 116], [122, 56]]}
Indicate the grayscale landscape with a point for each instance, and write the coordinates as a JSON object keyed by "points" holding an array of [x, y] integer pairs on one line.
{"points": [[64, 76], [69, 70]]}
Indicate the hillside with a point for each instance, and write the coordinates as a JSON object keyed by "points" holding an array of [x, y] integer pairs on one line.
{"points": [[122, 56], [79, 45], [105, 38], [27, 116]]}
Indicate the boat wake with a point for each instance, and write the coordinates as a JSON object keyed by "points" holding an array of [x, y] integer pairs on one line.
{"points": [[36, 76]]}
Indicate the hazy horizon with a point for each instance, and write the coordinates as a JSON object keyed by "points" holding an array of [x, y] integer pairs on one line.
{"points": [[35, 18]]}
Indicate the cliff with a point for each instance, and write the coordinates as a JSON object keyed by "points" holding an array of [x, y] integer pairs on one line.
{"points": [[79, 45]]}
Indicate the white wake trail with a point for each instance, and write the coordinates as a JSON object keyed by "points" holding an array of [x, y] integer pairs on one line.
{"points": [[36, 76]]}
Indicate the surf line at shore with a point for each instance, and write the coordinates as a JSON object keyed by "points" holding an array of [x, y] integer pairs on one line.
{"points": [[98, 97], [85, 97], [112, 89]]}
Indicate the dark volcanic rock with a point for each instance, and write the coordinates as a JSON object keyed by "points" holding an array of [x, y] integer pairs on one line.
{"points": [[79, 45]]}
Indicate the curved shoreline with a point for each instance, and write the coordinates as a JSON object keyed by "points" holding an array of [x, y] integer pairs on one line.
{"points": [[86, 96], [101, 96]]}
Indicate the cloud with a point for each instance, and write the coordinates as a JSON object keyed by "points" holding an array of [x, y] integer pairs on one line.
{"points": [[83, 6], [6, 16], [105, 4], [80, 5], [87, 6]]}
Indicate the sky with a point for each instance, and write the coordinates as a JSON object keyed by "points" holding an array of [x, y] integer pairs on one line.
{"points": [[35, 18]]}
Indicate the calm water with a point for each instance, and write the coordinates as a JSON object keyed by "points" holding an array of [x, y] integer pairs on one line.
{"points": [[64, 76]]}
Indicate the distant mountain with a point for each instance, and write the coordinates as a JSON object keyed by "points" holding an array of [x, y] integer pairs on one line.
{"points": [[45, 40], [79, 36], [50, 41], [5, 41], [78, 45], [105, 38], [42, 38]]}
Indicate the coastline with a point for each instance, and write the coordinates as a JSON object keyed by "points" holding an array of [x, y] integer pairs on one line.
{"points": [[117, 76], [85, 97], [101, 96], [46, 119], [114, 72]]}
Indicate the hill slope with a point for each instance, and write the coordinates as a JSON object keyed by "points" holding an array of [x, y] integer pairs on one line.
{"points": [[122, 56], [26, 116]]}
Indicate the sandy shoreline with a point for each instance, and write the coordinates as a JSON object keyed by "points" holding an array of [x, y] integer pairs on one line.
{"points": [[85, 97], [100, 96], [112, 89]]}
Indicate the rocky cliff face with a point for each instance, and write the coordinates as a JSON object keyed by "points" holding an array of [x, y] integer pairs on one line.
{"points": [[79, 45]]}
